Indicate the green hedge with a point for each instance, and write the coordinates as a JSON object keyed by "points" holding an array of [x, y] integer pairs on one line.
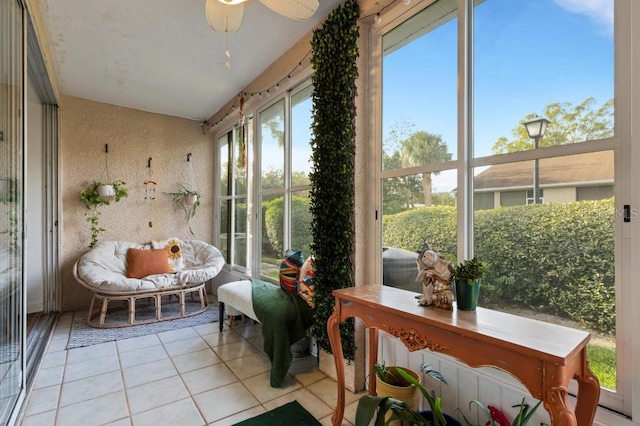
{"points": [[300, 224], [557, 258]]}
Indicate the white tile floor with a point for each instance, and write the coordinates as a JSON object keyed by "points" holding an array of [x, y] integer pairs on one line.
{"points": [[191, 376]]}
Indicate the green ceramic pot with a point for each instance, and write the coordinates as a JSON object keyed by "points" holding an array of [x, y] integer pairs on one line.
{"points": [[467, 294]]}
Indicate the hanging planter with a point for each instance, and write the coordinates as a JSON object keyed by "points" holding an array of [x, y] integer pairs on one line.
{"points": [[188, 200], [106, 191], [191, 199], [92, 198], [100, 193]]}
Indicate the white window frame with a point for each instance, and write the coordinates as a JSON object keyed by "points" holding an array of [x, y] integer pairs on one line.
{"points": [[626, 19], [253, 108]]}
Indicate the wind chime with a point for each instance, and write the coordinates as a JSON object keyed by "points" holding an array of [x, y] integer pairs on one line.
{"points": [[150, 192], [243, 139]]}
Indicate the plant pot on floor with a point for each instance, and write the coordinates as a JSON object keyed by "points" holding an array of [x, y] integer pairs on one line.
{"points": [[408, 394], [451, 421], [467, 292]]}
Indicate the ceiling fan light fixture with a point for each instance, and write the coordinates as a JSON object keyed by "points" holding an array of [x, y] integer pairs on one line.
{"points": [[224, 17], [300, 10]]}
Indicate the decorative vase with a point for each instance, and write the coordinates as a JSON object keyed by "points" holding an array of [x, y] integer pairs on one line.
{"points": [[106, 191], [190, 199], [467, 294]]}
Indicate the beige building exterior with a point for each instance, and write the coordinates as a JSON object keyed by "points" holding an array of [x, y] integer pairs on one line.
{"points": [[569, 178]]}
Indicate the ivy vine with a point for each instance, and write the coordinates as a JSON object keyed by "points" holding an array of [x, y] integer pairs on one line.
{"points": [[334, 50]]}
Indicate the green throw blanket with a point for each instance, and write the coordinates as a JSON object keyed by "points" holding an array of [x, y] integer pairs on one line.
{"points": [[285, 318]]}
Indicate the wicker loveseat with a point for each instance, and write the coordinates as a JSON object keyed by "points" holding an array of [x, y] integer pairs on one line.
{"points": [[105, 271]]}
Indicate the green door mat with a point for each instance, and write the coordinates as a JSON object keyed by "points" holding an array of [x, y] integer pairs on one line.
{"points": [[289, 414]]}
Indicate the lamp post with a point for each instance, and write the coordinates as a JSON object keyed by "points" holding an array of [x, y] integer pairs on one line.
{"points": [[536, 128]]}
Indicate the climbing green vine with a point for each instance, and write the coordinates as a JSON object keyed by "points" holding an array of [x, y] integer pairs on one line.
{"points": [[92, 199], [334, 50]]}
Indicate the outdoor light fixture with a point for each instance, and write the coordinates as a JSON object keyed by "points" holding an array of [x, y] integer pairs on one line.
{"points": [[536, 128]]}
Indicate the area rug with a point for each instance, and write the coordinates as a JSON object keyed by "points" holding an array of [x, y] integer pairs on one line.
{"points": [[289, 414], [84, 335]]}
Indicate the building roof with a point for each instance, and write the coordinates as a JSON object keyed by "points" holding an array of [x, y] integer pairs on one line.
{"points": [[579, 169]]}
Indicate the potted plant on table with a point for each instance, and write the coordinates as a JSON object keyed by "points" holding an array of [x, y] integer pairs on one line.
{"points": [[389, 409], [92, 197], [468, 276]]}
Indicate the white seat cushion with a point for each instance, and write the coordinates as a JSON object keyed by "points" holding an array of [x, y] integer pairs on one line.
{"points": [[237, 294], [104, 267]]}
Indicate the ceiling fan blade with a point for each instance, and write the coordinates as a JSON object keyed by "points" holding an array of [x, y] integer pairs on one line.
{"points": [[300, 10], [224, 18]]}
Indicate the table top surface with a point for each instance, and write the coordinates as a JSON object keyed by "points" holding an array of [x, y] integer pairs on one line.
{"points": [[546, 341]]}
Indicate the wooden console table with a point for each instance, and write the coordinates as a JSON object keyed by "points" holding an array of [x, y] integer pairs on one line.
{"points": [[543, 356]]}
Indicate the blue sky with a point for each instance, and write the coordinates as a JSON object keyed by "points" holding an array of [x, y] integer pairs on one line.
{"points": [[527, 54]]}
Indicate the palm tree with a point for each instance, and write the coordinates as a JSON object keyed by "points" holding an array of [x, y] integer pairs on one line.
{"points": [[424, 148]]}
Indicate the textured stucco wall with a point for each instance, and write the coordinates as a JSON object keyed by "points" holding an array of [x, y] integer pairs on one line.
{"points": [[133, 137]]}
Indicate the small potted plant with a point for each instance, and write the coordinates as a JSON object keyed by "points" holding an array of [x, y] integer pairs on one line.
{"points": [[497, 418], [389, 409], [92, 198], [188, 200], [389, 382], [468, 276]]}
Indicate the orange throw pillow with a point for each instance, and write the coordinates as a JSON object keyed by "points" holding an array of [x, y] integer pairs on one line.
{"points": [[141, 263]]}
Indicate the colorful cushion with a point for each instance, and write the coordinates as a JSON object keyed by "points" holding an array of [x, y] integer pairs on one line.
{"points": [[305, 282], [290, 269], [141, 263], [174, 252]]}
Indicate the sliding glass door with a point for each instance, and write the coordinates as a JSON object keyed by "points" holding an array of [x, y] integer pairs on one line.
{"points": [[11, 173]]}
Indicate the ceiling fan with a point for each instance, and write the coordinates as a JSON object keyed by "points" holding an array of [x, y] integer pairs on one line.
{"points": [[226, 15]]}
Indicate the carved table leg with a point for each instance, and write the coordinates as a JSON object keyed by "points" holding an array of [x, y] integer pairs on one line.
{"points": [[588, 396], [373, 357], [333, 330], [558, 408]]}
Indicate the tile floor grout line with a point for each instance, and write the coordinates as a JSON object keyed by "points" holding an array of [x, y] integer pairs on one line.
{"points": [[248, 338]]}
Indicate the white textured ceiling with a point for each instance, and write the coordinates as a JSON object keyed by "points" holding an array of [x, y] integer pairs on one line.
{"points": [[161, 55]]}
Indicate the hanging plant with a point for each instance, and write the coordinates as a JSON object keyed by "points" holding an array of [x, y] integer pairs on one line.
{"points": [[334, 52], [92, 198], [188, 200]]}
